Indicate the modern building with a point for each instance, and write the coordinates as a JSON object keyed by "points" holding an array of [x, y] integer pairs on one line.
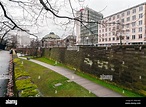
{"points": [[87, 33], [23, 39], [125, 27]]}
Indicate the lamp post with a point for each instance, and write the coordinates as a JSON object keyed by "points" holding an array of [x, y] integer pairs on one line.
{"points": [[87, 38], [127, 38]]}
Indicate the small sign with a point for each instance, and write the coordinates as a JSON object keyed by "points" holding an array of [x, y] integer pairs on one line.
{"points": [[39, 77], [72, 77]]}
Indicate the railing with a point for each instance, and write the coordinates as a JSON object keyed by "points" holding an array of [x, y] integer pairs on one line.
{"points": [[73, 48]]}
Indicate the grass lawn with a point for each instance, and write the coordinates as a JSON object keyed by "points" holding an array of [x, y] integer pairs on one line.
{"points": [[116, 88], [46, 80]]}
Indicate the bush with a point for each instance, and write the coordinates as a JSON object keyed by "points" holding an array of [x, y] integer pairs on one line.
{"points": [[23, 82]]}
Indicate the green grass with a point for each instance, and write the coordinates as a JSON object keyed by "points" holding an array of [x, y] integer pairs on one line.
{"points": [[48, 79], [114, 87], [24, 85], [51, 62]]}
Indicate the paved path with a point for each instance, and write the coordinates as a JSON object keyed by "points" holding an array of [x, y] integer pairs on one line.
{"points": [[98, 90], [4, 64]]}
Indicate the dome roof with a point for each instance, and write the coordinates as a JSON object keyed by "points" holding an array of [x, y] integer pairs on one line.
{"points": [[51, 35]]}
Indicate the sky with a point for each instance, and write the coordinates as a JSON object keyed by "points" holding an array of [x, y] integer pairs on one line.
{"points": [[109, 7], [46, 23]]}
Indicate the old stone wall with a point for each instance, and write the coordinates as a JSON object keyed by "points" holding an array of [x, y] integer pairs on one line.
{"points": [[126, 64]]}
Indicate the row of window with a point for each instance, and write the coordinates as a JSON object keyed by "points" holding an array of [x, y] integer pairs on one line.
{"points": [[117, 38], [133, 17], [123, 20], [126, 13], [127, 25]]}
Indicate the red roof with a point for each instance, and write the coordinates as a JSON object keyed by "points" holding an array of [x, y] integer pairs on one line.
{"points": [[81, 10]]}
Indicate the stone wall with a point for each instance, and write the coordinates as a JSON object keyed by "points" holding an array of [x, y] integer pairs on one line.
{"points": [[126, 64]]}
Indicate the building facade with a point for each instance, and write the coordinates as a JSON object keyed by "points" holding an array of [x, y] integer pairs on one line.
{"points": [[126, 27], [87, 33], [50, 40]]}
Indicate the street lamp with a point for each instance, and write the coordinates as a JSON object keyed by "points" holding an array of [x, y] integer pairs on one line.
{"points": [[127, 38], [87, 38]]}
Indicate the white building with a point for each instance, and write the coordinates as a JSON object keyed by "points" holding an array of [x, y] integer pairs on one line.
{"points": [[23, 39], [87, 32], [130, 24]]}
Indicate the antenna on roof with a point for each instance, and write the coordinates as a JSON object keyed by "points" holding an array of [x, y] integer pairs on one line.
{"points": [[81, 2]]}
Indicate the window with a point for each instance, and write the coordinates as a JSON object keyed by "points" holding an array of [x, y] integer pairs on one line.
{"points": [[113, 17], [140, 8], [122, 20], [123, 14], [106, 34], [102, 39], [127, 37], [133, 30], [140, 15], [128, 19], [113, 28], [117, 38], [110, 19], [134, 11], [140, 22], [113, 38], [134, 17], [133, 36], [127, 25], [109, 29], [99, 40], [109, 39], [133, 24], [105, 39], [109, 34], [102, 30], [122, 26], [128, 12], [140, 29], [140, 36], [118, 16]]}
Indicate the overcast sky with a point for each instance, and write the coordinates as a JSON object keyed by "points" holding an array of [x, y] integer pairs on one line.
{"points": [[112, 6], [47, 25]]}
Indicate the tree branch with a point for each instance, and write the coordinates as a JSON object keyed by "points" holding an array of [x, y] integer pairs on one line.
{"points": [[76, 19], [15, 25]]}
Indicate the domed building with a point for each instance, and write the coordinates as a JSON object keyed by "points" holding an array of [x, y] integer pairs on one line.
{"points": [[50, 40]]}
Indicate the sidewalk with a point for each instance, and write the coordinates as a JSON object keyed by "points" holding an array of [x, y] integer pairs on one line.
{"points": [[98, 90], [4, 65]]}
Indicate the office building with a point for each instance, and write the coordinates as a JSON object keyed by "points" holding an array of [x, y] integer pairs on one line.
{"points": [[126, 27], [87, 33]]}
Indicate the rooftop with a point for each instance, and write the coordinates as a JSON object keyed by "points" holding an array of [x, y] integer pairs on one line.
{"points": [[51, 35], [126, 10]]}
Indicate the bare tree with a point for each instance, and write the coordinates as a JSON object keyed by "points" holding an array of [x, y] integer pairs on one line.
{"points": [[35, 12]]}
